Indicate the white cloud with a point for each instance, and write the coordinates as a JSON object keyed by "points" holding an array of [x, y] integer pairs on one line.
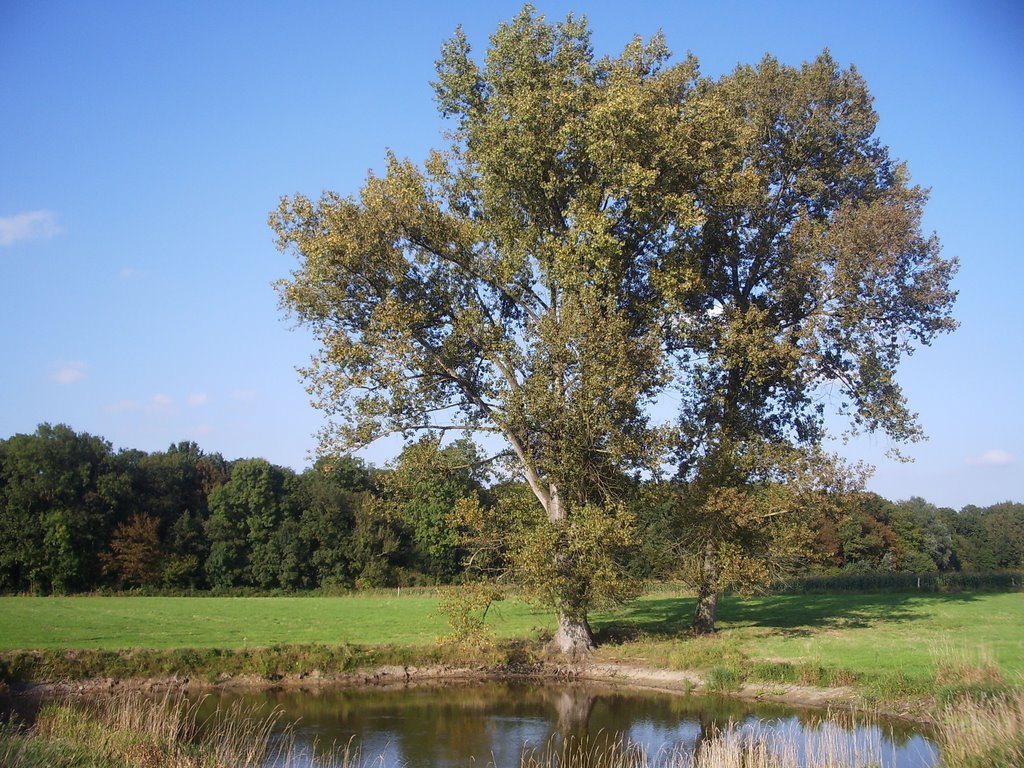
{"points": [[32, 225], [161, 402], [996, 457], [198, 398], [123, 405], [68, 373]]}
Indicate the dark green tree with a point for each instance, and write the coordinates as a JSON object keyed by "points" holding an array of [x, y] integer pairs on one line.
{"points": [[330, 496], [422, 490], [61, 494], [247, 514]]}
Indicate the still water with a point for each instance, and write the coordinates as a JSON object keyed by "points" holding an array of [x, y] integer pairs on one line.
{"points": [[486, 724]]}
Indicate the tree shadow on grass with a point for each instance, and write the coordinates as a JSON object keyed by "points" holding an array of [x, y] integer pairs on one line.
{"points": [[669, 616]]}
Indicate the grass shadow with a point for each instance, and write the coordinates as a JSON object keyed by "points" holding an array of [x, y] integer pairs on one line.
{"points": [[669, 616]]}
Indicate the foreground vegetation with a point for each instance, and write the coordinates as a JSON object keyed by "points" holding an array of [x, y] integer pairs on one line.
{"points": [[130, 729]]}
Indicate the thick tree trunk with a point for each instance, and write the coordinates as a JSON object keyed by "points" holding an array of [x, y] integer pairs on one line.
{"points": [[574, 640], [707, 594]]}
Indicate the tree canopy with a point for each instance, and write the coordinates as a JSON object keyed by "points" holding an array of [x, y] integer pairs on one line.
{"points": [[596, 227], [509, 286], [814, 281]]}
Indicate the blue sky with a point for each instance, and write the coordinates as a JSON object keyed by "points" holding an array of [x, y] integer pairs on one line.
{"points": [[143, 144]]}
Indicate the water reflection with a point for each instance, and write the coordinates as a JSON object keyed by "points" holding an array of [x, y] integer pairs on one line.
{"points": [[492, 723]]}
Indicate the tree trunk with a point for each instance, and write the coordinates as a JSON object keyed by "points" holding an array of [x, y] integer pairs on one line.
{"points": [[707, 594], [574, 639]]}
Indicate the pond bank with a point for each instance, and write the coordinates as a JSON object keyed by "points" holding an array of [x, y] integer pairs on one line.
{"points": [[401, 675]]}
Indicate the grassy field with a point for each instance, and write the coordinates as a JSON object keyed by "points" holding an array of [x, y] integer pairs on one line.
{"points": [[238, 622], [891, 645], [881, 632]]}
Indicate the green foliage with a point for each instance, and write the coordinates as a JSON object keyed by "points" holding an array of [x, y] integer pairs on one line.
{"points": [[341, 523], [60, 495], [253, 530], [722, 679], [577, 563], [422, 490], [331, 495], [509, 284], [466, 608]]}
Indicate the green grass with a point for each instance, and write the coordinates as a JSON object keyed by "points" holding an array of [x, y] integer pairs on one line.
{"points": [[238, 622], [891, 645]]}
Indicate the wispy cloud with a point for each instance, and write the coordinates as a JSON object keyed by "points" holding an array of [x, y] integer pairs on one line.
{"points": [[996, 457], [68, 373], [244, 395], [161, 402], [31, 225], [197, 398]]}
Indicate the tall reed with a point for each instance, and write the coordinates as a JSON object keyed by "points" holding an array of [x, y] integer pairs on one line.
{"points": [[134, 729], [828, 746], [980, 733]]}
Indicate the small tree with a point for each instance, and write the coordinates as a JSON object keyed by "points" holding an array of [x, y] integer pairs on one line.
{"points": [[136, 556]]}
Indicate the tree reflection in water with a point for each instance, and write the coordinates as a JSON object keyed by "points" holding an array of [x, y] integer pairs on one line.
{"points": [[492, 723]]}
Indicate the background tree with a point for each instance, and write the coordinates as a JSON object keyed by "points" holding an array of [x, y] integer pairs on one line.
{"points": [[61, 494], [808, 275], [174, 486], [422, 490], [330, 496], [508, 286], [253, 529], [135, 557]]}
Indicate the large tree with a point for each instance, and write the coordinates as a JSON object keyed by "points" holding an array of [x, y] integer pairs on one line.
{"points": [[511, 284], [810, 280]]}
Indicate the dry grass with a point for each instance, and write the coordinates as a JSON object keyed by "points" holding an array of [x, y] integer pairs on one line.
{"points": [[984, 734], [826, 747], [132, 729], [965, 665]]}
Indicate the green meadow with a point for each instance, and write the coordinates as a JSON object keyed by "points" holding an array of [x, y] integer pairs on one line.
{"points": [[902, 641], [229, 623], [889, 645]]}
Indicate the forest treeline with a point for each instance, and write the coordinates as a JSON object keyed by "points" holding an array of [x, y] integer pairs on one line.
{"points": [[75, 515]]}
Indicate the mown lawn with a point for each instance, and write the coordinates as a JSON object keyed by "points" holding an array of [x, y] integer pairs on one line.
{"points": [[29, 623]]}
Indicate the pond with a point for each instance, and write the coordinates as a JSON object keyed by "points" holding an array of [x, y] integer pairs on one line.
{"points": [[493, 723]]}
